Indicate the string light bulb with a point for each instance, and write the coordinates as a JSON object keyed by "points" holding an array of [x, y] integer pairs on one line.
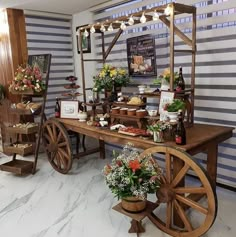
{"points": [[122, 26], [102, 29], [86, 34], [168, 10], [131, 21], [92, 29], [110, 28], [143, 19], [155, 16]]}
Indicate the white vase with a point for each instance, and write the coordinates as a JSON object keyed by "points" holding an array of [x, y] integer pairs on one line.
{"points": [[158, 136], [173, 116]]}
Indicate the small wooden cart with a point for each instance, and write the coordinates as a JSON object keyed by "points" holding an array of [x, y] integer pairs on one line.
{"points": [[179, 201]]}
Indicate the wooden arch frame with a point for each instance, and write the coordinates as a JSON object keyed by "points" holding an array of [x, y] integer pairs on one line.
{"points": [[169, 20]]}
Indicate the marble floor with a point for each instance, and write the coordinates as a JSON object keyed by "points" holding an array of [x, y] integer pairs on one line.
{"points": [[79, 204]]}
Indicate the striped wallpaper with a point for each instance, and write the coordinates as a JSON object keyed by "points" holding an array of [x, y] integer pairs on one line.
{"points": [[51, 33], [215, 100]]}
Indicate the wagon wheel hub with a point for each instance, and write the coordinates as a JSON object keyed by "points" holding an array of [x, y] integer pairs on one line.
{"points": [[165, 194], [52, 147]]}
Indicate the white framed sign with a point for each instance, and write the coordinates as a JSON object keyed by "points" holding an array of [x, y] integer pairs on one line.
{"points": [[69, 109], [166, 97]]}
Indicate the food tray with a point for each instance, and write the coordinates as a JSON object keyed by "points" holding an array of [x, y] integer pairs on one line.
{"points": [[133, 131], [129, 133], [24, 130], [124, 104]]}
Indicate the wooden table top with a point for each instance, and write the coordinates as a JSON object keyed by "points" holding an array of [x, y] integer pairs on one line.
{"points": [[198, 136]]}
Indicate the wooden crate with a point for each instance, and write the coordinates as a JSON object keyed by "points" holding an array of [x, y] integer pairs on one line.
{"points": [[25, 130], [19, 150], [18, 166]]}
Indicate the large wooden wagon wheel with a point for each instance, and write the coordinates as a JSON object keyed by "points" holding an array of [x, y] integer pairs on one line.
{"points": [[58, 145], [181, 211]]}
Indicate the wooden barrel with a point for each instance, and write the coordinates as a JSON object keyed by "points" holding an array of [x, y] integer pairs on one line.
{"points": [[133, 204]]}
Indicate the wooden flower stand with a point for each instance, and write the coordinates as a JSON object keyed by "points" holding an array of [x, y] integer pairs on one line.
{"points": [[136, 222]]}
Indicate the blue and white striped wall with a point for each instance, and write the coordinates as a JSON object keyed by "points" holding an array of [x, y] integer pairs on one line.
{"points": [[52, 33]]}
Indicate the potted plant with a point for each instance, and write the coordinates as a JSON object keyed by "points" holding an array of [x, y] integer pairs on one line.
{"points": [[110, 76], [163, 79], [131, 177], [27, 79], [173, 108]]}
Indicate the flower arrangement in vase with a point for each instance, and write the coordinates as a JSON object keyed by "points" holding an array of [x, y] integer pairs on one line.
{"points": [[110, 76], [130, 175], [157, 129], [163, 79], [27, 79]]}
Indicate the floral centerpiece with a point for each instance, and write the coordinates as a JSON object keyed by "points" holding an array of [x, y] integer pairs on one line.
{"points": [[27, 78], [130, 175], [157, 129], [110, 76]]}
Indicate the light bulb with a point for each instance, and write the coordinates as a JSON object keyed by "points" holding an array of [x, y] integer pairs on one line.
{"points": [[92, 30], [131, 21], [110, 28], [168, 10], [122, 26], [143, 19], [102, 29], [155, 16], [86, 34]]}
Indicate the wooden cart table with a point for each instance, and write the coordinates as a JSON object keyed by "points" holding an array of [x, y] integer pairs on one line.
{"points": [[177, 197]]}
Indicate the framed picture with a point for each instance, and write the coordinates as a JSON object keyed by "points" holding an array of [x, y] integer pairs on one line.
{"points": [[69, 109], [141, 55], [86, 42], [165, 98], [42, 61]]}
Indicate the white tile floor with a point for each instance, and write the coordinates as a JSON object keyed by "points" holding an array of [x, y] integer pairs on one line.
{"points": [[79, 204]]}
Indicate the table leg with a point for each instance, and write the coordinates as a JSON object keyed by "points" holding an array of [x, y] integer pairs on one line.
{"points": [[102, 149], [212, 154], [136, 227]]}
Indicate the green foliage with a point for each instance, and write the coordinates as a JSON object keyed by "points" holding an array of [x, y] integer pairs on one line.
{"points": [[158, 126], [176, 105]]}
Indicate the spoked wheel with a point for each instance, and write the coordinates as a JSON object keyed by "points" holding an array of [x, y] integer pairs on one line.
{"points": [[58, 145], [186, 207]]}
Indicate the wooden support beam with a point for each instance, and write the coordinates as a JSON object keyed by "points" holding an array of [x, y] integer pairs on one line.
{"points": [[177, 31], [113, 42]]}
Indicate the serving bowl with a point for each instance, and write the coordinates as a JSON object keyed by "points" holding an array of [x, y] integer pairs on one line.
{"points": [[152, 112]]}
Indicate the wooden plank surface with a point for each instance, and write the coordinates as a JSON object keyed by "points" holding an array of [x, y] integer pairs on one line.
{"points": [[197, 136]]}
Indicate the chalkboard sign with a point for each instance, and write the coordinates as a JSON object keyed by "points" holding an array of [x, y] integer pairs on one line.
{"points": [[141, 55]]}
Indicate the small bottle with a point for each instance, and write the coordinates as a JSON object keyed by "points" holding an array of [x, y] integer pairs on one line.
{"points": [[95, 95], [180, 82], [57, 109], [113, 96], [180, 134]]}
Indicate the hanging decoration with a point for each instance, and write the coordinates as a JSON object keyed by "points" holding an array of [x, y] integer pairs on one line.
{"points": [[153, 14]]}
